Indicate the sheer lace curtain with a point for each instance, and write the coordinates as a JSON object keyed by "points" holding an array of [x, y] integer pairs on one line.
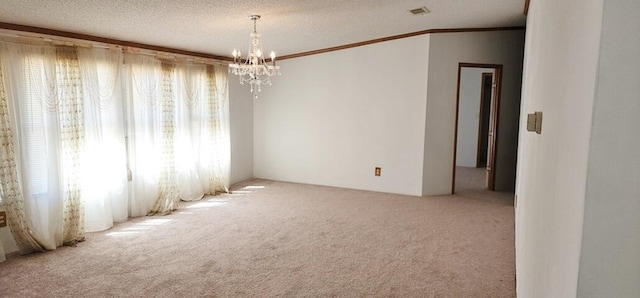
{"points": [[178, 151], [10, 186], [68, 108], [86, 141], [44, 88], [143, 89], [103, 164], [218, 164], [203, 131]]}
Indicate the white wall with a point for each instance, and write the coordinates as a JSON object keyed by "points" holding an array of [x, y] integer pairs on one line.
{"points": [[446, 51], [241, 130], [610, 256], [331, 118], [469, 115], [560, 66]]}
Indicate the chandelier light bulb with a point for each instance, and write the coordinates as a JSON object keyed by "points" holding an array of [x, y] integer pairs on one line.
{"points": [[234, 53], [273, 55], [259, 53]]}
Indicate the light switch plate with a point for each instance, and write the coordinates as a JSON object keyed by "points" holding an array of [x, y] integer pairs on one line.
{"points": [[534, 122]]}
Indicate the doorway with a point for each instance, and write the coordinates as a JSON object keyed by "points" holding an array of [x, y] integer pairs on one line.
{"points": [[477, 105], [483, 125]]}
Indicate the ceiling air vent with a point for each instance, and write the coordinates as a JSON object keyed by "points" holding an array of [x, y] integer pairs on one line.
{"points": [[419, 11]]}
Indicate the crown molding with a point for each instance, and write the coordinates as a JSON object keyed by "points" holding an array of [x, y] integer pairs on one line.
{"points": [[93, 38], [394, 37]]}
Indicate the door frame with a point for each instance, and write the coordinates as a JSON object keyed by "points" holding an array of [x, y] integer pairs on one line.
{"points": [[493, 122], [483, 100]]}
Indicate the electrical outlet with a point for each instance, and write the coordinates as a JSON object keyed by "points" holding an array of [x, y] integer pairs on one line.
{"points": [[377, 171], [3, 219]]}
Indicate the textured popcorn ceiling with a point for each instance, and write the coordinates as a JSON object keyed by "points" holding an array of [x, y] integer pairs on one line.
{"points": [[287, 26]]}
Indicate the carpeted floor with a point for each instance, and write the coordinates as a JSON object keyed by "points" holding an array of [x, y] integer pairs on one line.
{"points": [[284, 239]]}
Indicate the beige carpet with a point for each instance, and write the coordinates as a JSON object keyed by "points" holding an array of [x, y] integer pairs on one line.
{"points": [[283, 239]]}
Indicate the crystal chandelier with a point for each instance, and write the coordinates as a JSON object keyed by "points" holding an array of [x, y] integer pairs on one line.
{"points": [[254, 69]]}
